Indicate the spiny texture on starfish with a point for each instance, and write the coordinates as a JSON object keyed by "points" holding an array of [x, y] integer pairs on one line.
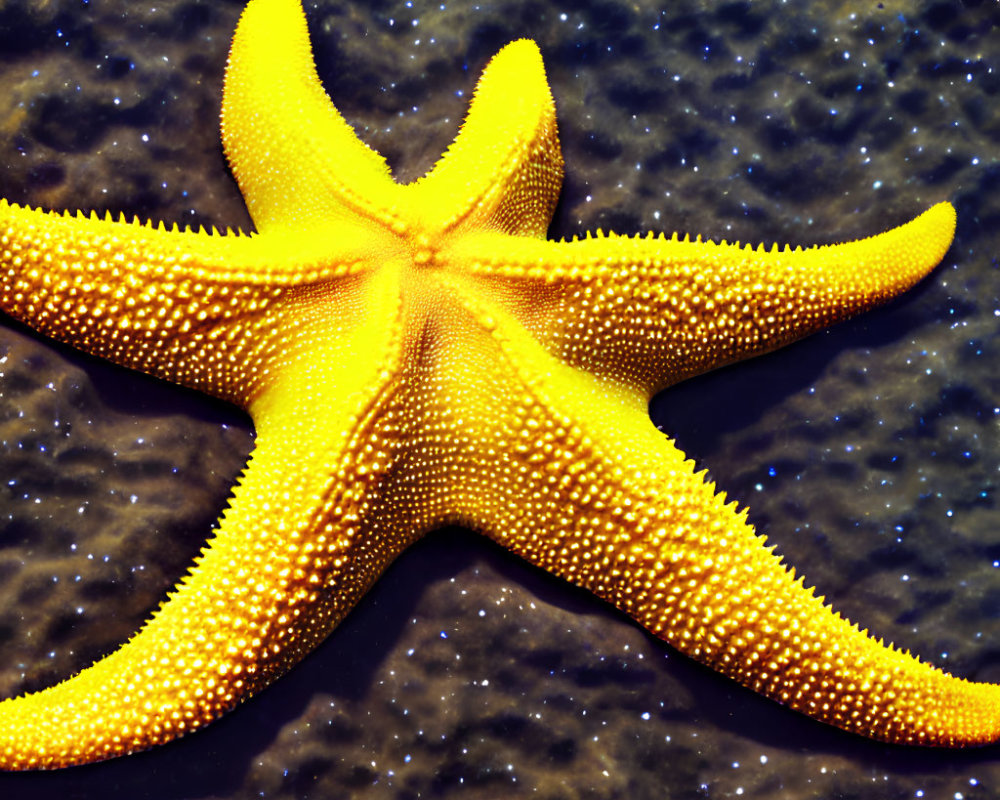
{"points": [[415, 356]]}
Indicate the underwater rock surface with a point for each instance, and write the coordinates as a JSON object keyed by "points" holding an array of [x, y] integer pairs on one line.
{"points": [[869, 453]]}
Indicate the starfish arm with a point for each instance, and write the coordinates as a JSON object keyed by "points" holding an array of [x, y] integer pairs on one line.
{"points": [[296, 159], [648, 312], [295, 549], [193, 308], [504, 170], [617, 509], [575, 479]]}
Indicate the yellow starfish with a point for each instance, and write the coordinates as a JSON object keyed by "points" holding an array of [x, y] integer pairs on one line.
{"points": [[414, 356]]}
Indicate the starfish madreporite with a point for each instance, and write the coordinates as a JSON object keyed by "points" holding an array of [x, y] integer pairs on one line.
{"points": [[419, 355]]}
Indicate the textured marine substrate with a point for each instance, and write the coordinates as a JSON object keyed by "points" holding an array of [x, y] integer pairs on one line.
{"points": [[869, 453]]}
